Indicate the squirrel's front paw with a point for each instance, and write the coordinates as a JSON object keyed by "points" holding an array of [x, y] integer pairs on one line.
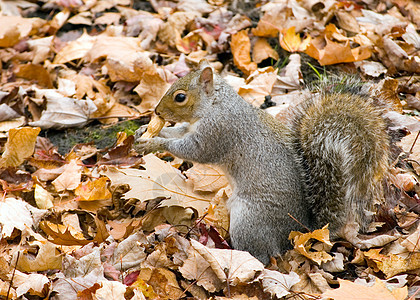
{"points": [[139, 132], [145, 146]]}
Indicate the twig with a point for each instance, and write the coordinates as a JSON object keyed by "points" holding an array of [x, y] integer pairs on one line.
{"points": [[13, 276]]}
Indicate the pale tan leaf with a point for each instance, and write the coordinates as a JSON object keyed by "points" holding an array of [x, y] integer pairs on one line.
{"points": [[70, 178], [159, 179], [352, 291], [233, 266]]}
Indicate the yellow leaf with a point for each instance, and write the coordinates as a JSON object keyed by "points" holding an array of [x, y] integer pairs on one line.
{"points": [[291, 41], [20, 145]]}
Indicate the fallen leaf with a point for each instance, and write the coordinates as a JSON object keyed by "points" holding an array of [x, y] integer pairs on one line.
{"points": [[278, 284], [262, 50], [303, 242], [233, 266], [391, 264], [10, 208], [70, 177], [47, 258], [349, 291], [159, 179], [43, 199], [35, 73], [94, 190], [196, 267], [206, 178], [241, 47], [292, 42], [19, 146]]}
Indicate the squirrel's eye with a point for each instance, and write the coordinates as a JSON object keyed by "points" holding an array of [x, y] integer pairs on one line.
{"points": [[180, 97]]}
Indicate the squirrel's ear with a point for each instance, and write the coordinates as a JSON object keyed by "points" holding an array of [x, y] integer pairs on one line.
{"points": [[203, 64], [206, 79]]}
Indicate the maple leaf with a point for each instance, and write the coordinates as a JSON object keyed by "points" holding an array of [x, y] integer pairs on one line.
{"points": [[349, 291], [159, 179]]}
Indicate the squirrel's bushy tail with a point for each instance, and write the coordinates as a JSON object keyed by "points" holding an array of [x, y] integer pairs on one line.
{"points": [[343, 148]]}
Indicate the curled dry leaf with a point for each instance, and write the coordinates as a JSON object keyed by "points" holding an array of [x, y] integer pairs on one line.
{"points": [[47, 258], [302, 244], [241, 47], [70, 177], [391, 264], [262, 50], [292, 42]]}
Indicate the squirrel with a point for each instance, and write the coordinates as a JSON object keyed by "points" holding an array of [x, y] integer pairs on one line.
{"points": [[325, 165]]}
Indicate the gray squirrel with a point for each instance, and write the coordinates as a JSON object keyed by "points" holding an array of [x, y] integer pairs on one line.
{"points": [[326, 165]]}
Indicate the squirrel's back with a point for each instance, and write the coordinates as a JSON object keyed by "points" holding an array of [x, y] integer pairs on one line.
{"points": [[343, 149]]}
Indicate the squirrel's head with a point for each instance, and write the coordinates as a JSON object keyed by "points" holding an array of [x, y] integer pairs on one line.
{"points": [[188, 97]]}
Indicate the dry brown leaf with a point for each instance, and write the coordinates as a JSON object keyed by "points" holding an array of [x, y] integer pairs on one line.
{"points": [[111, 290], [14, 28], [20, 145], [241, 46], [262, 50], [195, 267], [258, 85], [63, 112], [151, 88], [10, 208], [278, 284], [43, 199], [353, 291], [75, 50], [391, 264], [47, 258], [302, 244], [33, 284], [159, 179], [163, 282], [329, 52], [41, 48], [35, 73], [233, 266]]}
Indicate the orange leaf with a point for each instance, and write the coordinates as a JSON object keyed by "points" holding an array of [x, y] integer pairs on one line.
{"points": [[94, 190], [241, 47]]}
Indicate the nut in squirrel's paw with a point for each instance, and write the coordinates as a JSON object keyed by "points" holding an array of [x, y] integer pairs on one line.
{"points": [[148, 142], [154, 127]]}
